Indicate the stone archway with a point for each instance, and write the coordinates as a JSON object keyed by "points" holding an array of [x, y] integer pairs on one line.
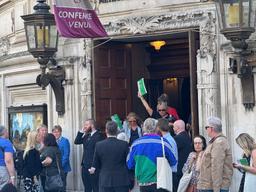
{"points": [[205, 20]]}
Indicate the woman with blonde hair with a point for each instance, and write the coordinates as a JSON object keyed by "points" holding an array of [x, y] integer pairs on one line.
{"points": [[32, 164], [248, 165], [131, 127]]}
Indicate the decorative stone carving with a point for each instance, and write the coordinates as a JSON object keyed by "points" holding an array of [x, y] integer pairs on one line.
{"points": [[207, 70], [4, 2], [208, 37], [85, 69], [13, 21], [85, 79], [12, 56], [4, 46], [95, 5], [156, 23]]}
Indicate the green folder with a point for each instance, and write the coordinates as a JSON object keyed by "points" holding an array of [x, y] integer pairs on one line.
{"points": [[117, 120], [141, 87], [243, 161]]}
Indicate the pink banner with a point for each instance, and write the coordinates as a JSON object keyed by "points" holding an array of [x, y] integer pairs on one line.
{"points": [[77, 19]]}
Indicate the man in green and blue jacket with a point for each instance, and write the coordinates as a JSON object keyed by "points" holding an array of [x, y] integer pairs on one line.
{"points": [[143, 154]]}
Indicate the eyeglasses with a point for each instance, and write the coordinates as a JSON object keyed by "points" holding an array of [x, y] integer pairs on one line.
{"points": [[159, 110], [197, 143], [206, 127]]}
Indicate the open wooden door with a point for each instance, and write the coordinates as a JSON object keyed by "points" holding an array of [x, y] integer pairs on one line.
{"points": [[112, 82], [193, 82]]}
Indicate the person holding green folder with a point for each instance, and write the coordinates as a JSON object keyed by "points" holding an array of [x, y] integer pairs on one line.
{"points": [[247, 165], [161, 111]]}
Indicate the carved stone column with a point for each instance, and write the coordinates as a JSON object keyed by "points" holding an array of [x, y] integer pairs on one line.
{"points": [[207, 72], [85, 79], [4, 46]]}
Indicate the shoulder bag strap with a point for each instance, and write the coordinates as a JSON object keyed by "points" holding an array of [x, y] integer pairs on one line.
{"points": [[57, 161], [191, 164], [162, 141], [213, 139], [58, 166]]}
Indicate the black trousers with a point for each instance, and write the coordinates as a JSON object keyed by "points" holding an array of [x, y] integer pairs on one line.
{"points": [[64, 179], [115, 189], [151, 188], [175, 182], [90, 181]]}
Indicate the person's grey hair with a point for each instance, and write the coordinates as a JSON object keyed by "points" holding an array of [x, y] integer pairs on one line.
{"points": [[162, 98], [215, 123], [149, 125], [122, 136], [2, 129], [163, 104], [111, 128], [41, 126]]}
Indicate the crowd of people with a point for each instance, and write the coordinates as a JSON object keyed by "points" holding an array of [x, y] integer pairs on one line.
{"points": [[119, 159], [45, 155]]}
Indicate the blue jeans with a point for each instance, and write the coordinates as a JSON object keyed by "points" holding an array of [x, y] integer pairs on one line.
{"points": [[210, 190]]}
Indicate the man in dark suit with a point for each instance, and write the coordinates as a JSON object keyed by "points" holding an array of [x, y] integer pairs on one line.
{"points": [[89, 136], [110, 160], [183, 142]]}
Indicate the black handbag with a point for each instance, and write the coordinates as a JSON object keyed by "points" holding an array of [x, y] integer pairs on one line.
{"points": [[54, 182]]}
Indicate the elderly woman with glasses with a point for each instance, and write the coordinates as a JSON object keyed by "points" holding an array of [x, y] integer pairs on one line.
{"points": [[194, 161]]}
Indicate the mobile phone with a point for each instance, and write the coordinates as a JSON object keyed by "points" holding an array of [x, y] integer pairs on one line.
{"points": [[243, 161]]}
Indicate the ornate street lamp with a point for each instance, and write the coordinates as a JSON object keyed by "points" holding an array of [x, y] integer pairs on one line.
{"points": [[42, 42], [237, 23]]}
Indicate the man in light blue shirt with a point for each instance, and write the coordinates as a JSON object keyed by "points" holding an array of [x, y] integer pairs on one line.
{"points": [[163, 127]]}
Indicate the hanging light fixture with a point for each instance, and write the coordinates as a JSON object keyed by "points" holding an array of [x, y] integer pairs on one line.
{"points": [[157, 44], [237, 23]]}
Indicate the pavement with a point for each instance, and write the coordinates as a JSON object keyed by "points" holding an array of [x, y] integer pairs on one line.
{"points": [[20, 187]]}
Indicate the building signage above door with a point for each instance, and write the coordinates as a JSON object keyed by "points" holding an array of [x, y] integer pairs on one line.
{"points": [[77, 19]]}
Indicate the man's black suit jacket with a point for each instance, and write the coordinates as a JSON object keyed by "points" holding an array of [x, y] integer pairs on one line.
{"points": [[184, 148], [110, 159], [89, 143]]}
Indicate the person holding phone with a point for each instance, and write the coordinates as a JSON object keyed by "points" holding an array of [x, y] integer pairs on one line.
{"points": [[88, 136], [247, 165]]}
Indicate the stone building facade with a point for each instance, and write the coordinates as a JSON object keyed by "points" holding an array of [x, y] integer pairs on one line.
{"points": [[219, 91]]}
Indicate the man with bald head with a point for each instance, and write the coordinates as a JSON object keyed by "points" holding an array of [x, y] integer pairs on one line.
{"points": [[183, 143]]}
